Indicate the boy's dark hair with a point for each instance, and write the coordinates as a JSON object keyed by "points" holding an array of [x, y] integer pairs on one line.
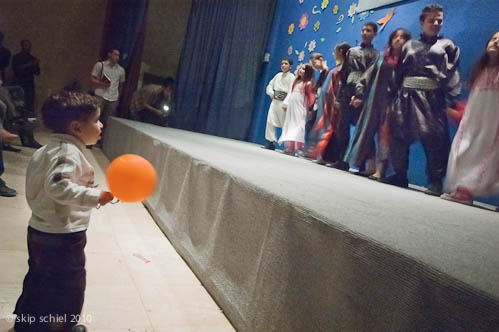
{"points": [[169, 82], [111, 49], [316, 56], [61, 108], [289, 60], [373, 25], [430, 9]]}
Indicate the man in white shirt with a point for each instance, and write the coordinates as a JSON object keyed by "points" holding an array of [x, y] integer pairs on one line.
{"points": [[107, 78]]}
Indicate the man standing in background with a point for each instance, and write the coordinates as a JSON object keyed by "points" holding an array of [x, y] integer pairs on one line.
{"points": [[4, 58], [107, 78], [25, 67]]}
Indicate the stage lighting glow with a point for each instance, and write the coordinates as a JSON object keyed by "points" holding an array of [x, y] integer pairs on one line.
{"points": [[166, 108]]}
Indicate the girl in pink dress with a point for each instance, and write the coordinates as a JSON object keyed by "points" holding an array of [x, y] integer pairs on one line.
{"points": [[296, 105], [473, 168]]}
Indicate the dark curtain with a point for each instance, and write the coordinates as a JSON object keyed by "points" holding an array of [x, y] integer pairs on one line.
{"points": [[124, 29], [220, 64]]}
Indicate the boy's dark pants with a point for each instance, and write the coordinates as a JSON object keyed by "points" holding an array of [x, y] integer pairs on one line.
{"points": [[54, 284]]}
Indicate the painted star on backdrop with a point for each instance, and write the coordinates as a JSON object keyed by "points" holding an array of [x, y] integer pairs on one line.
{"points": [[311, 46], [303, 21], [301, 56], [317, 26], [352, 9]]}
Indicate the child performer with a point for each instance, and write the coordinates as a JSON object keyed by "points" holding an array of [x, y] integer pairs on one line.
{"points": [[296, 104], [61, 193], [358, 60], [473, 167], [277, 89], [318, 63], [319, 138], [429, 77], [377, 87]]}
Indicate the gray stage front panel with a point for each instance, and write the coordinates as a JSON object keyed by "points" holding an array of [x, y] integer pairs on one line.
{"points": [[283, 244]]}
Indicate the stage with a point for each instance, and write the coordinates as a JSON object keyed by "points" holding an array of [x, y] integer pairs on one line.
{"points": [[283, 244]]}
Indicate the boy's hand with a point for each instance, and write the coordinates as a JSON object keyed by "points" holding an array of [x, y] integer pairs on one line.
{"points": [[105, 197]]}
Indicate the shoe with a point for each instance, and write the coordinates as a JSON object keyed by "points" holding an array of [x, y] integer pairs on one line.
{"points": [[396, 180], [341, 165], [33, 144], [434, 188], [462, 195], [28, 139], [365, 174], [497, 209], [454, 198], [7, 147], [6, 191], [269, 146], [320, 162], [373, 177], [79, 328]]}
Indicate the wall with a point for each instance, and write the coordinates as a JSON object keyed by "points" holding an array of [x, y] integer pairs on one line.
{"points": [[469, 24], [166, 27], [65, 36]]}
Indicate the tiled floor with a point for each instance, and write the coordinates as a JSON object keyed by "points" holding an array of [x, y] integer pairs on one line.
{"points": [[136, 281]]}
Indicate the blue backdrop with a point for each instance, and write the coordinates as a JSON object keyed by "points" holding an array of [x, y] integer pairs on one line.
{"points": [[468, 23]]}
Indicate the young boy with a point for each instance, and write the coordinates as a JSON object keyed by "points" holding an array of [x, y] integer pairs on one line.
{"points": [[358, 59], [318, 63], [277, 89], [61, 193], [430, 83]]}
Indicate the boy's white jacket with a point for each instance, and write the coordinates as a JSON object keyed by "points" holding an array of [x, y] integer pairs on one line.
{"points": [[60, 186]]}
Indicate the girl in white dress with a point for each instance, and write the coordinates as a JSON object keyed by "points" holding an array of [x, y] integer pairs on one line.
{"points": [[296, 105], [473, 168]]}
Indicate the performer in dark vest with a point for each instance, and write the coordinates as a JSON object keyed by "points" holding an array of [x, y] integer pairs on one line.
{"points": [[376, 92], [358, 60], [430, 83]]}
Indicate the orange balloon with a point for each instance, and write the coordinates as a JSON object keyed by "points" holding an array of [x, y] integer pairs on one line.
{"points": [[131, 178]]}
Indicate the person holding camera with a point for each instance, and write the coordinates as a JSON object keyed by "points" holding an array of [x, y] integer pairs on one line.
{"points": [[153, 104]]}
